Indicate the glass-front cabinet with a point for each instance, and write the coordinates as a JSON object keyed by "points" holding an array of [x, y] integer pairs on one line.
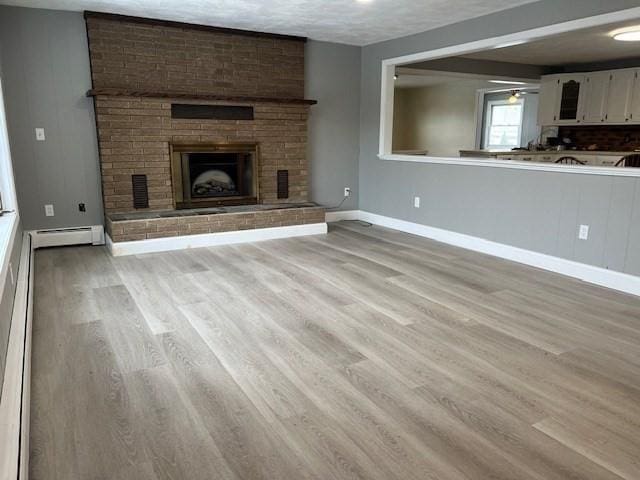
{"points": [[568, 102]]}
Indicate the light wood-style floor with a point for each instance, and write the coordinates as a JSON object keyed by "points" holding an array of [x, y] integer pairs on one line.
{"points": [[363, 354]]}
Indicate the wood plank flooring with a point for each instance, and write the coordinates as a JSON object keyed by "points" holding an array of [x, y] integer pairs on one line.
{"points": [[362, 354]]}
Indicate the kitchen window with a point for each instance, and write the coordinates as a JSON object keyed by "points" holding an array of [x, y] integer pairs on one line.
{"points": [[503, 124]]}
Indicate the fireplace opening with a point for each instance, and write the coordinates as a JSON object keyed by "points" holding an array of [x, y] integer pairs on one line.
{"points": [[214, 175]]}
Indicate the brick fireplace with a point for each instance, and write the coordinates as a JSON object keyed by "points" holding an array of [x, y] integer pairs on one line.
{"points": [[194, 118]]}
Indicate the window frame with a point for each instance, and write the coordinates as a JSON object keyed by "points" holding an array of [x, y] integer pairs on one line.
{"points": [[488, 118], [7, 185]]}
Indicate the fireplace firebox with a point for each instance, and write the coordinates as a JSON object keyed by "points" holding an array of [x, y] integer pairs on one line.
{"points": [[211, 175]]}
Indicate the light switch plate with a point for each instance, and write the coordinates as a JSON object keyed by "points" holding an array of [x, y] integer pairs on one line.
{"points": [[583, 233], [48, 210], [40, 134], [416, 202]]}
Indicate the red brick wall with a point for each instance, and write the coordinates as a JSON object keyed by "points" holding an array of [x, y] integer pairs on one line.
{"points": [[134, 136], [162, 58], [134, 133], [606, 137]]}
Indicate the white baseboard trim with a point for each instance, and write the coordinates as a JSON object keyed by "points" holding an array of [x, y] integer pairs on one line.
{"points": [[16, 389], [211, 239], [61, 237], [342, 215], [597, 275]]}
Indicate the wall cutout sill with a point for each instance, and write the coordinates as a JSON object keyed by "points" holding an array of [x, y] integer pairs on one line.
{"points": [[514, 164], [622, 282]]}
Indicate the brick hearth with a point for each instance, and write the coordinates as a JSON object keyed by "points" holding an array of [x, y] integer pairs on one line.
{"points": [[121, 229]]}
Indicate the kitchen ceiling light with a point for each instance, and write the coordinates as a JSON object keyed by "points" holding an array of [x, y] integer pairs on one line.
{"points": [[507, 82], [628, 34]]}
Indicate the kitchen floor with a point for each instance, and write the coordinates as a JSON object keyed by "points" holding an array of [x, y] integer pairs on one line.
{"points": [[365, 353]]}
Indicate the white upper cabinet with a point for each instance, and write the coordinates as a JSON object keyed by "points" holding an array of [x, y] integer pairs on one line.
{"points": [[611, 96], [634, 109], [595, 97], [547, 100], [569, 99], [619, 97]]}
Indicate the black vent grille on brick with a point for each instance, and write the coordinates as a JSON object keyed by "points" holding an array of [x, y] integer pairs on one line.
{"points": [[211, 112], [283, 183], [140, 191]]}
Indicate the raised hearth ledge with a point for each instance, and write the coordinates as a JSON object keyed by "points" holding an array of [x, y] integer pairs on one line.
{"points": [[122, 92], [182, 242], [154, 227], [190, 212]]}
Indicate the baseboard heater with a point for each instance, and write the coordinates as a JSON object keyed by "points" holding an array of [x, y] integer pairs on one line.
{"points": [[16, 390], [60, 237]]}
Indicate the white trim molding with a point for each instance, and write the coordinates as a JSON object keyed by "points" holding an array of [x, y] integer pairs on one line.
{"points": [[387, 92], [622, 282], [342, 215], [516, 164], [154, 245]]}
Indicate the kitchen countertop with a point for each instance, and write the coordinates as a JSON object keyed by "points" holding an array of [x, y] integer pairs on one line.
{"points": [[490, 153]]}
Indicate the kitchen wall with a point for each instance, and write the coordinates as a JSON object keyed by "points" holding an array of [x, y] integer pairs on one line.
{"points": [[332, 76], [439, 118], [540, 211]]}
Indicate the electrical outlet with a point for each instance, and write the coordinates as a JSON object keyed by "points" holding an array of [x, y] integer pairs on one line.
{"points": [[347, 191], [416, 202], [583, 233], [48, 210], [40, 134], [82, 207]]}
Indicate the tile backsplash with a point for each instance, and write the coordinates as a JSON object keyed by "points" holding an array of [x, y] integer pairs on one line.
{"points": [[606, 137]]}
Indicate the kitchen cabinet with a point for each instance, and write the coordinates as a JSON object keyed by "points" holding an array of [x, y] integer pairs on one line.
{"points": [[634, 108], [608, 160], [595, 97], [547, 100], [621, 86], [569, 99], [611, 97]]}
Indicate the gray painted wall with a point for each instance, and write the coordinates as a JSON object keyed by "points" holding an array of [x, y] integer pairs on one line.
{"points": [[46, 65], [481, 67], [540, 211], [332, 76]]}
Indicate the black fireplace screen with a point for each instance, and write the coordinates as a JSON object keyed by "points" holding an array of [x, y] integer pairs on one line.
{"points": [[219, 175]]}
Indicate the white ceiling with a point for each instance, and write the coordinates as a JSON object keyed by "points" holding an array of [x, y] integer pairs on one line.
{"points": [[581, 46], [356, 22]]}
